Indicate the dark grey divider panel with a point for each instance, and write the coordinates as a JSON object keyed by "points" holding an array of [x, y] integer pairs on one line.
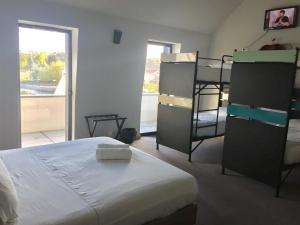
{"points": [[173, 127], [266, 85], [177, 79], [254, 149]]}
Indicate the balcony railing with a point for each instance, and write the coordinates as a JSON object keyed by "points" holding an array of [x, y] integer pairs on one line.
{"points": [[47, 112], [149, 112], [42, 113], [149, 107]]}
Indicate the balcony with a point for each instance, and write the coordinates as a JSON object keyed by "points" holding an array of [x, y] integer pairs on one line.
{"points": [[149, 112], [42, 119]]}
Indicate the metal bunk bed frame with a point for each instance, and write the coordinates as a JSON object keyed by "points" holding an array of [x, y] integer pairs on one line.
{"points": [[265, 163], [198, 86], [202, 85]]}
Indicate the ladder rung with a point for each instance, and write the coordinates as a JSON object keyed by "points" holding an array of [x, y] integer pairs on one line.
{"points": [[209, 125], [207, 110]]}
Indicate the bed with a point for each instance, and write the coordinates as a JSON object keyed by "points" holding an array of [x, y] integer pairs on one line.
{"points": [[192, 91], [64, 184], [262, 102]]}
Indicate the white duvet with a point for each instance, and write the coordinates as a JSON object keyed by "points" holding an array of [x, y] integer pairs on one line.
{"points": [[64, 184]]}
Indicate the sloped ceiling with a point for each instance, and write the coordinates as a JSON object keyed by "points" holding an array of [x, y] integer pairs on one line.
{"points": [[195, 15]]}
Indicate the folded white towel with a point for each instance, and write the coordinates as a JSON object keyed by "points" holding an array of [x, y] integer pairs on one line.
{"points": [[113, 146], [113, 153]]}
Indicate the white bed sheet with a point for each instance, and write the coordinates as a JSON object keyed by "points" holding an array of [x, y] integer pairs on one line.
{"points": [[207, 73], [63, 184]]}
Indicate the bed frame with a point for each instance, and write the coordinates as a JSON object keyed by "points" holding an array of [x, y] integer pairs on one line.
{"points": [[183, 93], [262, 100], [186, 216]]}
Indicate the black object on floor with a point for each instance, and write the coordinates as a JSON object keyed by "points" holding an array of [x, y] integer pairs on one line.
{"points": [[95, 119], [127, 135]]}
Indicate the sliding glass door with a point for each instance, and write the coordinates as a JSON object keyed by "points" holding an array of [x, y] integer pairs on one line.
{"points": [[44, 84], [151, 84]]}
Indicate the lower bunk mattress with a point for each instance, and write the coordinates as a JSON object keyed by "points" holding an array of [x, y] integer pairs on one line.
{"points": [[206, 124], [64, 184], [292, 153]]}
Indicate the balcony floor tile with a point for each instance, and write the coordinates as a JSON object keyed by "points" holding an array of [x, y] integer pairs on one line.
{"points": [[42, 138], [148, 126]]}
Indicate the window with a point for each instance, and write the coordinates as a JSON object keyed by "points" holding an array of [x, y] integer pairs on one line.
{"points": [[42, 62], [45, 76]]}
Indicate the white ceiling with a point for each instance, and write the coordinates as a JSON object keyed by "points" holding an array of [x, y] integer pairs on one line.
{"points": [[196, 15]]}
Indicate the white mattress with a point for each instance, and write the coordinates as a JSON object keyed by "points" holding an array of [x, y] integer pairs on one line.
{"points": [[206, 73], [63, 184], [292, 152], [207, 118]]}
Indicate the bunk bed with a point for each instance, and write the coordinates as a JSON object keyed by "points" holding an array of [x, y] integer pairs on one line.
{"points": [[193, 92], [262, 138], [260, 120]]}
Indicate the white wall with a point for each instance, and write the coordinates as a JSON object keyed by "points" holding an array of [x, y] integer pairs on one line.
{"points": [[245, 25], [109, 77]]}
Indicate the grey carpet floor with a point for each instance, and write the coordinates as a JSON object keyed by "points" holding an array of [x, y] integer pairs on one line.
{"points": [[231, 199]]}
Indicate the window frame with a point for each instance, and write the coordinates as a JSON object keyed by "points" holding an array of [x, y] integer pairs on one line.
{"points": [[163, 44]]}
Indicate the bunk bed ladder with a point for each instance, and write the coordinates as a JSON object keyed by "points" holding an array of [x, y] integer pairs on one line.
{"points": [[202, 85], [220, 95], [193, 108]]}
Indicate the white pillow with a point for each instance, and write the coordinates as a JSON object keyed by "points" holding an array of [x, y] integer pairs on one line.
{"points": [[8, 197]]}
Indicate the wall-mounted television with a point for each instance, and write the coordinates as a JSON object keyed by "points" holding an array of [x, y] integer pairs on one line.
{"points": [[281, 18]]}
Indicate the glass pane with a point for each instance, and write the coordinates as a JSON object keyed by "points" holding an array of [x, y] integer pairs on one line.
{"points": [[151, 79], [43, 59], [150, 88], [42, 62]]}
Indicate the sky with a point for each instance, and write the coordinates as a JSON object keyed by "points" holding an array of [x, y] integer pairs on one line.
{"points": [[154, 51], [41, 40]]}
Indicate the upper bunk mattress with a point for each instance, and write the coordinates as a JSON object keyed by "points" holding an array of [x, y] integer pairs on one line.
{"points": [[207, 73], [212, 73], [64, 184]]}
